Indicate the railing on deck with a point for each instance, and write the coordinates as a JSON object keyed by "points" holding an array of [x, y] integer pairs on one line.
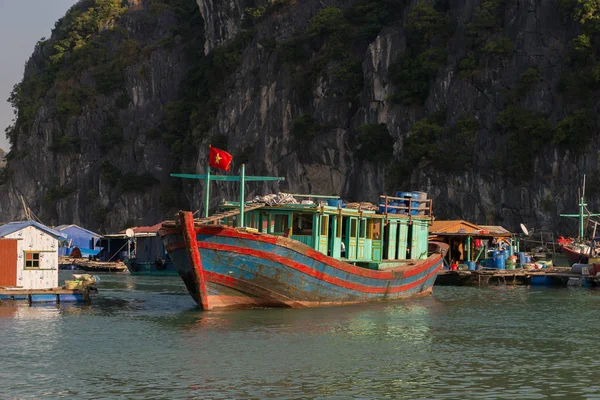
{"points": [[423, 208]]}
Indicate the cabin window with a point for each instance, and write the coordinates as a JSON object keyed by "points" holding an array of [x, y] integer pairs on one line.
{"points": [[363, 229], [376, 227], [353, 228], [324, 225], [32, 260], [279, 223], [339, 226], [230, 221], [370, 229], [253, 220], [302, 224]]}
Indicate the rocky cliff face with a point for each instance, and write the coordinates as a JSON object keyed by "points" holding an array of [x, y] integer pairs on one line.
{"points": [[483, 105]]}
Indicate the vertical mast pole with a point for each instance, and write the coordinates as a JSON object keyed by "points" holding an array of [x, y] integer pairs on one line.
{"points": [[242, 184], [207, 192], [581, 206]]}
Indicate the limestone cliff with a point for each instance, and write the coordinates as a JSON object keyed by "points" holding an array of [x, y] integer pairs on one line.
{"points": [[488, 106]]}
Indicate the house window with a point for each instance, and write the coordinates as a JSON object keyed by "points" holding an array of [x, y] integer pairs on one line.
{"points": [[32, 260]]}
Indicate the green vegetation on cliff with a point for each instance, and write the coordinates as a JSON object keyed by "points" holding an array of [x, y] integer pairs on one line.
{"points": [[79, 41]]}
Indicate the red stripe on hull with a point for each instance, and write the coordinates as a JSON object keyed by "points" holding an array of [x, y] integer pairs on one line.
{"points": [[391, 273], [191, 245], [307, 270], [575, 256]]}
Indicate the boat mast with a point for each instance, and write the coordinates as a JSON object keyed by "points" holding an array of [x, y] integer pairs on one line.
{"points": [[581, 214], [581, 208], [242, 178]]}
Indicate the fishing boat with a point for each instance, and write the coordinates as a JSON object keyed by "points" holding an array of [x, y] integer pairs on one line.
{"points": [[308, 253], [580, 250]]}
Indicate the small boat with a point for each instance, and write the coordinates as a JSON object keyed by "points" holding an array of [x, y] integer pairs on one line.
{"points": [[576, 252], [303, 254]]}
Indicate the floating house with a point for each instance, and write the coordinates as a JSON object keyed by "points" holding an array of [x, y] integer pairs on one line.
{"points": [[86, 241], [29, 255], [147, 254], [470, 243]]}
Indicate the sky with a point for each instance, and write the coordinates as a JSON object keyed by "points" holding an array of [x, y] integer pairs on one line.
{"points": [[22, 24]]}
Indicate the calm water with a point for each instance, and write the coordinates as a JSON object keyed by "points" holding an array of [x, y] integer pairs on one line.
{"points": [[143, 338]]}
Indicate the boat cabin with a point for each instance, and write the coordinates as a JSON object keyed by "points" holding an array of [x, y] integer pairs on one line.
{"points": [[372, 237]]}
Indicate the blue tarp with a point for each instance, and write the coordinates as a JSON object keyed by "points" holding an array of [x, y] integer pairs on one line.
{"points": [[84, 252]]}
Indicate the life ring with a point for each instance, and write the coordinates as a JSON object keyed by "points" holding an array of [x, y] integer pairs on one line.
{"points": [[160, 263]]}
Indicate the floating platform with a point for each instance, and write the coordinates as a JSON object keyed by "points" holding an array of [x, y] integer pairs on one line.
{"points": [[83, 264], [556, 276], [55, 295]]}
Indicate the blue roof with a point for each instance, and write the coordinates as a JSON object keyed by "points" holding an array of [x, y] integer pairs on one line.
{"points": [[12, 227], [61, 228]]}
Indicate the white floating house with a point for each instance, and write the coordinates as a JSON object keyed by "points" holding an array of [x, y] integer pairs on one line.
{"points": [[29, 255]]}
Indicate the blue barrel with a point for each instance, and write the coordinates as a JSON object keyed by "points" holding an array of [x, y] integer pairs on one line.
{"points": [[522, 257], [408, 202], [396, 210], [471, 265], [499, 260], [404, 195], [334, 202], [489, 262]]}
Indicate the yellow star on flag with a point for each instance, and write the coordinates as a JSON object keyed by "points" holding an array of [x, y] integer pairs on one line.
{"points": [[217, 158]]}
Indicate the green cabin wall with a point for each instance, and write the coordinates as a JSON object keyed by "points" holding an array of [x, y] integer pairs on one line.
{"points": [[336, 237], [402, 239], [323, 232], [351, 240], [392, 239], [377, 243], [419, 242], [405, 239]]}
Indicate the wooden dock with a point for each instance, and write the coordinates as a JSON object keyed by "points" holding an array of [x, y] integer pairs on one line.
{"points": [[54, 295], [554, 276]]}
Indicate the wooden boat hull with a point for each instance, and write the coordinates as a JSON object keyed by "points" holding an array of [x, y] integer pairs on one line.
{"points": [[224, 267], [575, 254]]}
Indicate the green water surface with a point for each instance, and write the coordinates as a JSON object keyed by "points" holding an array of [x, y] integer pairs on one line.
{"points": [[143, 338]]}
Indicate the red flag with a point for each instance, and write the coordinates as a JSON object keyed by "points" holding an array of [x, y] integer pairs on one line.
{"points": [[219, 158]]}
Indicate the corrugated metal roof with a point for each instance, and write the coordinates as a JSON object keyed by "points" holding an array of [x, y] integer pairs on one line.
{"points": [[453, 226], [496, 229], [12, 227], [145, 229]]}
